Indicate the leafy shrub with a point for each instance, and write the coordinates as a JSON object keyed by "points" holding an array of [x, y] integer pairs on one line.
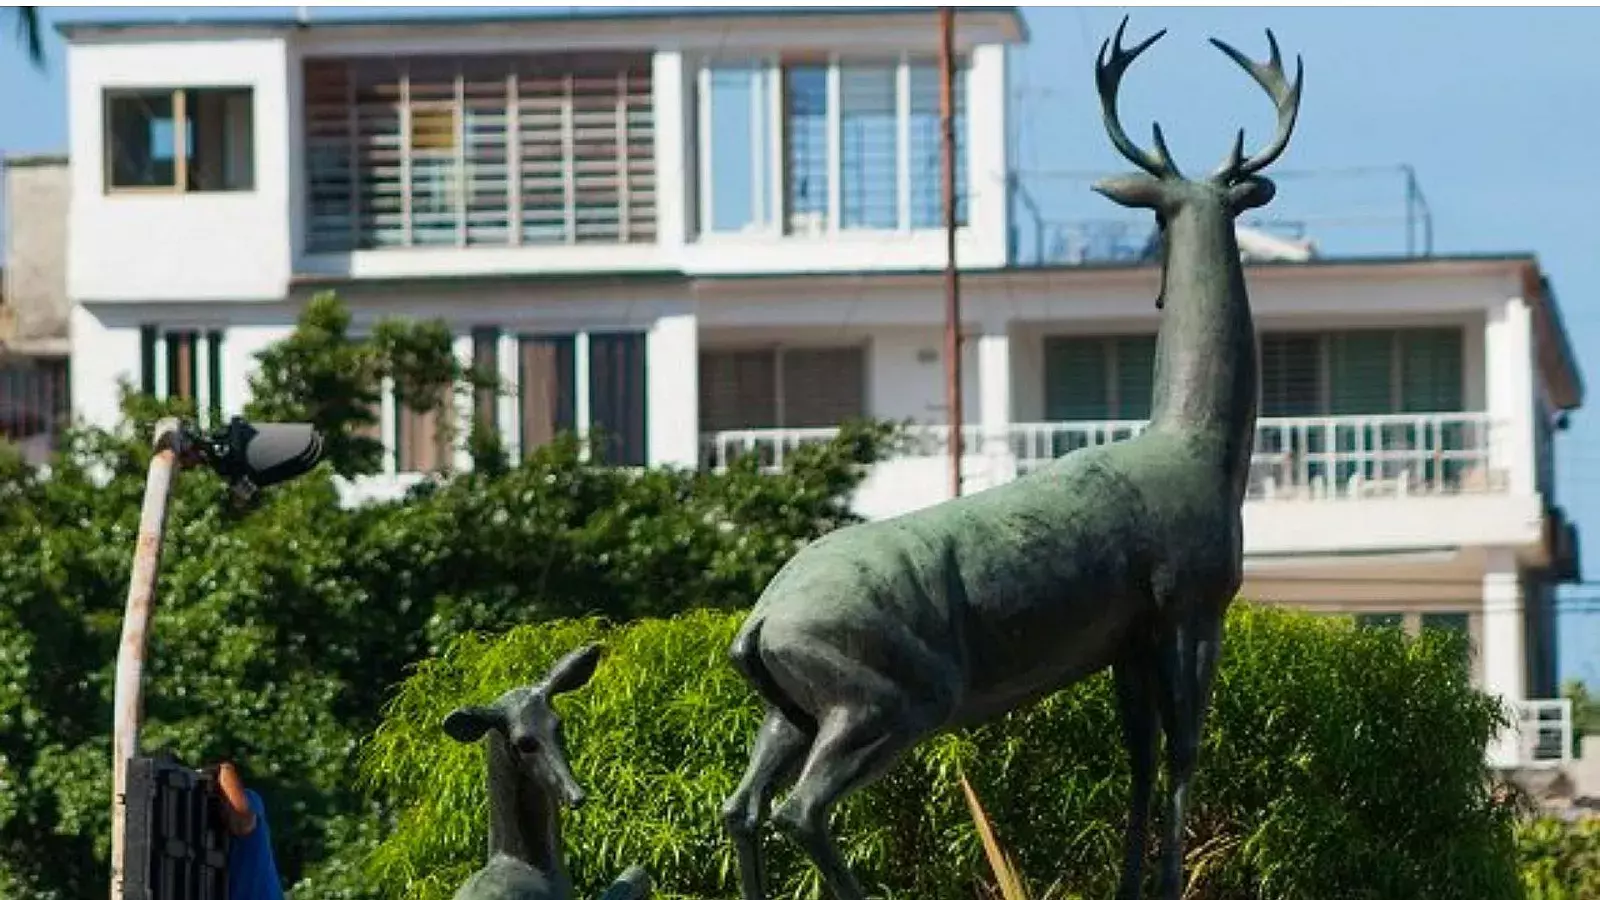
{"points": [[1560, 860], [280, 630], [1339, 763]]}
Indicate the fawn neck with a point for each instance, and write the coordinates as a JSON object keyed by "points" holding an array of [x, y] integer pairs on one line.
{"points": [[1206, 368], [524, 815]]}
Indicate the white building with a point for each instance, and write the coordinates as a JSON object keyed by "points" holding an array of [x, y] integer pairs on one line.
{"points": [[711, 233]]}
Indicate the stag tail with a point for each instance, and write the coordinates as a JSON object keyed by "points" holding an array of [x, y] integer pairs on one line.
{"points": [[746, 656]]}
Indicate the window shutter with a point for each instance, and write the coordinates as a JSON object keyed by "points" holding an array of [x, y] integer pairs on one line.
{"points": [[1361, 373], [214, 376], [183, 366], [927, 172], [1076, 381], [738, 390], [1136, 360], [617, 397], [546, 389], [486, 363], [147, 359], [1291, 375], [1430, 367], [823, 387]]}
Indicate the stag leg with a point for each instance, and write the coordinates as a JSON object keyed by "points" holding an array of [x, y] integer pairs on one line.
{"points": [[1136, 703], [854, 747], [1175, 700], [779, 747]]}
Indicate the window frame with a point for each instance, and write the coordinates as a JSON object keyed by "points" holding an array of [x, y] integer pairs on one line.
{"points": [[771, 213], [182, 121]]}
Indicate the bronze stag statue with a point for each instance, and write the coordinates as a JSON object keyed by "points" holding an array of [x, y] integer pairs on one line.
{"points": [[880, 635]]}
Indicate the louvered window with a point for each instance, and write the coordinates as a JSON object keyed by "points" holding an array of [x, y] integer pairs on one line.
{"points": [[1098, 378], [1361, 372], [793, 387], [860, 146], [469, 151]]}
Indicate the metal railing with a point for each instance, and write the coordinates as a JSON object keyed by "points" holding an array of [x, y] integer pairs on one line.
{"points": [[1544, 733], [1321, 457]]}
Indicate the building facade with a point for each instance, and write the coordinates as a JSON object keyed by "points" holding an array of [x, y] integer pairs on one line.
{"points": [[34, 309], [714, 234]]}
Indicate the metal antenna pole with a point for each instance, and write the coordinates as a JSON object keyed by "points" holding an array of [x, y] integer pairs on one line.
{"points": [[952, 282]]}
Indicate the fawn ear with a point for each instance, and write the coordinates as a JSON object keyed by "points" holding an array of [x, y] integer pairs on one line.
{"points": [[573, 670], [469, 723]]}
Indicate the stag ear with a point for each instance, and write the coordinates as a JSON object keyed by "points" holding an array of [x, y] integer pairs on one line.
{"points": [[1250, 193], [573, 670], [1137, 190], [469, 723]]}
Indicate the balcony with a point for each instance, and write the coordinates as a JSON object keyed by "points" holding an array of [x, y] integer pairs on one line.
{"points": [[1321, 458]]}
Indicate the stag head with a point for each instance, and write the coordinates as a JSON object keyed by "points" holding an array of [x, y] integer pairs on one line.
{"points": [[1234, 187]]}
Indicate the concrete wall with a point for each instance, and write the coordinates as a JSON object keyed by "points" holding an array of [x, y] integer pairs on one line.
{"points": [[34, 308], [159, 246]]}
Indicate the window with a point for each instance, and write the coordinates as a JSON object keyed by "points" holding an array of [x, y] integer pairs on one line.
{"points": [[617, 397], [1361, 372], [858, 146], [1380, 620], [1099, 378], [422, 437], [611, 399], [791, 387], [191, 139], [183, 365], [486, 365], [479, 151], [35, 405], [805, 129]]}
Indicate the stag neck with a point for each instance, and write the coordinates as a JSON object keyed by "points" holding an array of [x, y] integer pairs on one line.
{"points": [[1206, 368]]}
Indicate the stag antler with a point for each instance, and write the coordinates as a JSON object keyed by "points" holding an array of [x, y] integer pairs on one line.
{"points": [[1108, 76], [1286, 97]]}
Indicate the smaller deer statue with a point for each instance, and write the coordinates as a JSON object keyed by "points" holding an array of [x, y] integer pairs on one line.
{"points": [[530, 781]]}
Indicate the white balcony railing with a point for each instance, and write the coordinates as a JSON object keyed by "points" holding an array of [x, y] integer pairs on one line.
{"points": [[1298, 458], [1544, 733]]}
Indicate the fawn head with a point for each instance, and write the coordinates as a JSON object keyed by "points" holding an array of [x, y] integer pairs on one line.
{"points": [[1234, 187], [525, 717]]}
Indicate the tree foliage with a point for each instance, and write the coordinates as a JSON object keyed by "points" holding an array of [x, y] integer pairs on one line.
{"points": [[281, 629], [1339, 763]]}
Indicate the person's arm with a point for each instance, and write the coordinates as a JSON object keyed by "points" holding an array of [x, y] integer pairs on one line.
{"points": [[241, 818]]}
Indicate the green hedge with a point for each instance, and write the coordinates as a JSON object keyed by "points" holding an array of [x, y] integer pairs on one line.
{"points": [[1340, 763], [1560, 860]]}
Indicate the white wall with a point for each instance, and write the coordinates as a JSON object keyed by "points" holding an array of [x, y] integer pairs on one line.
{"points": [[131, 246]]}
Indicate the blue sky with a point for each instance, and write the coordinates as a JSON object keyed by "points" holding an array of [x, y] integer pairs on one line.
{"points": [[1492, 107]]}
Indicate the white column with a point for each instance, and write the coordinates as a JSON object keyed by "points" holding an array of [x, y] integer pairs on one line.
{"points": [[676, 186], [510, 406], [1502, 652], [672, 388], [988, 213], [388, 419], [994, 400], [1508, 391], [461, 405]]}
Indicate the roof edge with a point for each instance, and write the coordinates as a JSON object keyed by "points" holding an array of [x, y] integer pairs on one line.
{"points": [[1560, 368], [1015, 27]]}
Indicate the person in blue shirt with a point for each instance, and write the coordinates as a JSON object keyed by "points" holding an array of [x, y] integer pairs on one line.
{"points": [[252, 870]]}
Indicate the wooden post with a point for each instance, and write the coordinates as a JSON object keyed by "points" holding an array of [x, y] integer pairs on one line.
{"points": [[952, 282]]}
